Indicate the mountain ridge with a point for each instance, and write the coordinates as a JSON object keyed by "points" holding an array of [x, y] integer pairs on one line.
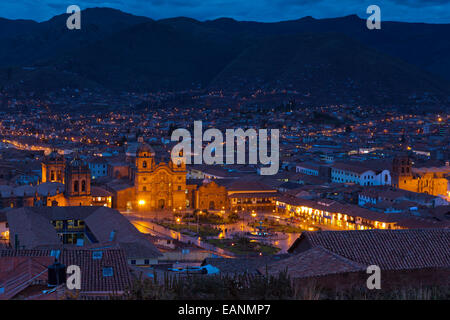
{"points": [[120, 51]]}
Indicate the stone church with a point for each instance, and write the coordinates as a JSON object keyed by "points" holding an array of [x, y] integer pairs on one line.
{"points": [[74, 177], [423, 180], [158, 186], [148, 185]]}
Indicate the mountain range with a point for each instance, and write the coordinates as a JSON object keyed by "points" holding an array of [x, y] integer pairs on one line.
{"points": [[337, 60]]}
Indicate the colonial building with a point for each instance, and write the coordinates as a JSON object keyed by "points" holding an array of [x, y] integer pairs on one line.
{"points": [[53, 168], [211, 196], [144, 184], [424, 180], [360, 174], [158, 186], [342, 216], [78, 183]]}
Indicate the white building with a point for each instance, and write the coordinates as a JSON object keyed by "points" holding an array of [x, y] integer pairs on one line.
{"points": [[308, 168], [352, 173], [98, 167]]}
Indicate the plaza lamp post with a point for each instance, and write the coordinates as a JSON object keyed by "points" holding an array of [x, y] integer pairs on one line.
{"points": [[198, 222]]}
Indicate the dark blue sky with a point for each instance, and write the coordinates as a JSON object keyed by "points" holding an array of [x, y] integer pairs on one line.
{"points": [[432, 11]]}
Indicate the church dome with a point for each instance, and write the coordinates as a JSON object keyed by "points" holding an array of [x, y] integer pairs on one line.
{"points": [[54, 156]]}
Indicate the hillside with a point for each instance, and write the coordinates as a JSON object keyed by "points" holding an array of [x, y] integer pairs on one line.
{"points": [[335, 60]]}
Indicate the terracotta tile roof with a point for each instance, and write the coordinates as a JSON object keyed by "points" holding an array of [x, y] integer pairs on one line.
{"points": [[418, 222], [92, 277], [100, 192], [316, 261], [32, 224], [104, 220], [350, 167], [18, 272], [31, 229], [93, 280], [241, 265], [64, 213], [389, 249], [248, 185]]}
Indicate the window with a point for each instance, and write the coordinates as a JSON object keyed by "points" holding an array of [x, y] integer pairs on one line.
{"points": [[144, 164], [146, 261], [108, 271], [133, 262], [97, 255], [83, 186], [75, 186]]}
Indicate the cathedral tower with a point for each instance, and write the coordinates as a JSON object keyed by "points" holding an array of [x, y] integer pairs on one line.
{"points": [[53, 168], [401, 170], [78, 183]]}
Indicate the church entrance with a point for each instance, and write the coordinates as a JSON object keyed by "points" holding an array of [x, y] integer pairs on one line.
{"points": [[211, 205], [161, 204]]}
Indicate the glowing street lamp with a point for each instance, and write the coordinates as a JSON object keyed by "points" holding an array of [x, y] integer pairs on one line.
{"points": [[141, 202]]}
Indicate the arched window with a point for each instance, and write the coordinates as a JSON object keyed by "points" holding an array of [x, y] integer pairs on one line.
{"points": [[75, 186], [144, 188], [83, 186], [144, 164]]}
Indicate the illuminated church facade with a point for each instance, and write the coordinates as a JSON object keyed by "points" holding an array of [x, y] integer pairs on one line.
{"points": [[423, 180], [147, 186], [158, 186]]}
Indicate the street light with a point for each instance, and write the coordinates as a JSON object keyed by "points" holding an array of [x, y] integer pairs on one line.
{"points": [[198, 221]]}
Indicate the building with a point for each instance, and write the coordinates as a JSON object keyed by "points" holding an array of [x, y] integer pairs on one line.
{"points": [[81, 227], [359, 174], [77, 183], [53, 168], [423, 180], [24, 273], [98, 167], [158, 186], [344, 216], [340, 258]]}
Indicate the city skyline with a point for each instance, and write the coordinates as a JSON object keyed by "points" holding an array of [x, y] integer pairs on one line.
{"points": [[193, 161]]}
